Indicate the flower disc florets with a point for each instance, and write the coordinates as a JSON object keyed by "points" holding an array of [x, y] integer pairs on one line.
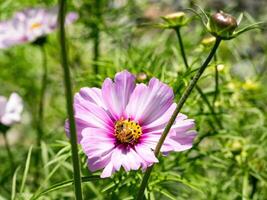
{"points": [[127, 131]]}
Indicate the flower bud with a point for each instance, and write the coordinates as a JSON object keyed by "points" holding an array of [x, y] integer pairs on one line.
{"points": [[141, 77], [208, 41], [174, 20], [222, 25]]}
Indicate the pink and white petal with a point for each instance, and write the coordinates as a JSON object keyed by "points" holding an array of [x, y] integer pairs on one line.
{"points": [[71, 17], [144, 150], [96, 142], [151, 141], [14, 107], [161, 122], [80, 125], [97, 163], [126, 157], [186, 138], [94, 95], [173, 142], [179, 127], [108, 171], [148, 103], [131, 161], [93, 114], [116, 158], [3, 102], [116, 95]]}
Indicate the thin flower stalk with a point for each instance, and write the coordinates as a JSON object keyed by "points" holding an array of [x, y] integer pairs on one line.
{"points": [[9, 152], [202, 95], [69, 100], [216, 80], [42, 96], [96, 35], [180, 104]]}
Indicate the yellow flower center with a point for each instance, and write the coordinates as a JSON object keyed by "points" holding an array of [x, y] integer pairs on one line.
{"points": [[36, 25], [127, 131]]}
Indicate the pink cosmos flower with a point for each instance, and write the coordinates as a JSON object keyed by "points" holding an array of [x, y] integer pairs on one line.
{"points": [[10, 109], [29, 25], [120, 124]]}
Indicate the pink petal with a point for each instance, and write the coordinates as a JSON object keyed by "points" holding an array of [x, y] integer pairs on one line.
{"points": [[116, 95], [97, 142], [146, 153], [3, 102], [94, 95], [108, 171], [148, 103], [126, 157], [89, 112], [97, 163]]}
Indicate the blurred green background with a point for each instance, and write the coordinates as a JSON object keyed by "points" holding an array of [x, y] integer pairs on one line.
{"points": [[227, 162]]}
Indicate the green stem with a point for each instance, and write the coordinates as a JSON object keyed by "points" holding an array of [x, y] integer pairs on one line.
{"points": [[9, 152], [181, 44], [205, 99], [245, 186], [40, 116], [42, 97], [69, 101], [202, 94], [96, 34], [180, 104], [216, 81]]}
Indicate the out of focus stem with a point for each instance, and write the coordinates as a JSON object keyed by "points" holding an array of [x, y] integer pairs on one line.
{"points": [[9, 152], [69, 101], [96, 35], [202, 94], [216, 81], [181, 45], [180, 104], [42, 97]]}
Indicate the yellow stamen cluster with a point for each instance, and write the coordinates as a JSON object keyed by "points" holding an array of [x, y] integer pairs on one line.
{"points": [[36, 25], [127, 131]]}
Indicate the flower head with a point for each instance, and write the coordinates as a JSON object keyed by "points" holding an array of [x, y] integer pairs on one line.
{"points": [[10, 109], [29, 25], [120, 124]]}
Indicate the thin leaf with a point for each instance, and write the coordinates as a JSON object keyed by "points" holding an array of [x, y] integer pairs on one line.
{"points": [[26, 170], [166, 193], [64, 184], [14, 179], [239, 19]]}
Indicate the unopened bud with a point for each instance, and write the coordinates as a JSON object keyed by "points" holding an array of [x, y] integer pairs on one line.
{"points": [[177, 19], [222, 25], [141, 76], [208, 41]]}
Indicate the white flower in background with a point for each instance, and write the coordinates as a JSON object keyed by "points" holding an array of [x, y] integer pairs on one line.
{"points": [[10, 109]]}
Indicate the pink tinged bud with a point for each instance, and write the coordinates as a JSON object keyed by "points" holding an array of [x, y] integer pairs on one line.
{"points": [[222, 24]]}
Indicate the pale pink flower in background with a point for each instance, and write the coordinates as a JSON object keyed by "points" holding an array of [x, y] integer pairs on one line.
{"points": [[120, 124], [10, 109], [29, 25]]}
